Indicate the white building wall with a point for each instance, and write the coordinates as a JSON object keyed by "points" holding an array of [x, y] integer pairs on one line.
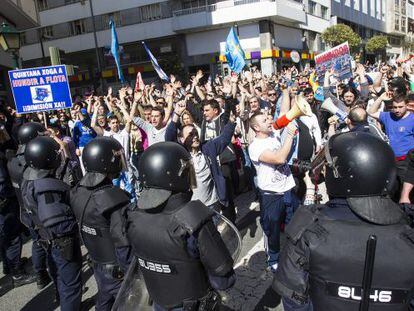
{"points": [[213, 41]]}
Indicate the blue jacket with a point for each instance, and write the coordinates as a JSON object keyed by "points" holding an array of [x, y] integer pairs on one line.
{"points": [[83, 133], [212, 149]]}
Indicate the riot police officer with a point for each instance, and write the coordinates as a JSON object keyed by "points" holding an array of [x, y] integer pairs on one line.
{"points": [[322, 264], [10, 230], [179, 250], [98, 206], [46, 201], [16, 167]]}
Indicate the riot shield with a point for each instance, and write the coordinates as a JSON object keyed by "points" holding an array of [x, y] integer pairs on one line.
{"points": [[229, 234], [133, 294]]}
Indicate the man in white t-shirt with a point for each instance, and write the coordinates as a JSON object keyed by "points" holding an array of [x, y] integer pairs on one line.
{"points": [[273, 179], [122, 136]]}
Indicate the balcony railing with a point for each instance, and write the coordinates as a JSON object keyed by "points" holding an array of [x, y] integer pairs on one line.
{"points": [[223, 4]]}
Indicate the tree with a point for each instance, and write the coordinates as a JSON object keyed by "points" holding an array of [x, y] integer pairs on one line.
{"points": [[376, 44], [340, 33]]}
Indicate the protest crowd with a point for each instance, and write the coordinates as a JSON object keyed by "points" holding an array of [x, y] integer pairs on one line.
{"points": [[230, 125]]}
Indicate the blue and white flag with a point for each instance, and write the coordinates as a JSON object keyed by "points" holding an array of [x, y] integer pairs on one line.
{"points": [[157, 68], [115, 50], [234, 52]]}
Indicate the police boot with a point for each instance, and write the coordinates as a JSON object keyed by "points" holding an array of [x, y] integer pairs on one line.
{"points": [[6, 269], [42, 279], [20, 278]]}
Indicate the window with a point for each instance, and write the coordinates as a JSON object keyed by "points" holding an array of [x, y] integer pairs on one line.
{"points": [[312, 41], [356, 5], [397, 22], [42, 5], [397, 5], [403, 24], [23, 38], [378, 11], [47, 33], [151, 12], [312, 7], [324, 11], [112, 16], [78, 27], [365, 6], [394, 41], [372, 11]]}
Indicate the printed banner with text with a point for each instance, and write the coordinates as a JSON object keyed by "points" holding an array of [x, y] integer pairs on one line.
{"points": [[338, 58], [40, 89]]}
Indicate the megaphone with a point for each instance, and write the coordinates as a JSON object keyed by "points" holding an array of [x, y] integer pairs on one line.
{"points": [[329, 106], [299, 108]]}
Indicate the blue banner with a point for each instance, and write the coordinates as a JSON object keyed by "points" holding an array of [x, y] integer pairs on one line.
{"points": [[40, 89]]}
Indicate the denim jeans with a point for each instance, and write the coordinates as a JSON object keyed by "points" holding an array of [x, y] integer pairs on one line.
{"points": [[272, 208], [292, 203]]}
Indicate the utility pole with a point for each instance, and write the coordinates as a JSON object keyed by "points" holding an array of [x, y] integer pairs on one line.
{"points": [[101, 80]]}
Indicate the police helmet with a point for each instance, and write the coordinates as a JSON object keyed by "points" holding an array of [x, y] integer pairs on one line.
{"points": [[43, 153], [28, 131], [359, 164], [164, 168], [104, 155]]}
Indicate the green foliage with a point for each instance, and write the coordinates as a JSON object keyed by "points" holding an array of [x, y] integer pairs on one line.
{"points": [[172, 64], [340, 33], [376, 43]]}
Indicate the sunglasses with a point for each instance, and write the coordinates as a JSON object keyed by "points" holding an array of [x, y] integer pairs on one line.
{"points": [[272, 94]]}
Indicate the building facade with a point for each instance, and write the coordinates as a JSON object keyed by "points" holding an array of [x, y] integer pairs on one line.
{"points": [[183, 34], [20, 15]]}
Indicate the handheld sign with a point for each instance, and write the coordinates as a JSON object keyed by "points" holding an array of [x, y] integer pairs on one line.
{"points": [[40, 89], [339, 58]]}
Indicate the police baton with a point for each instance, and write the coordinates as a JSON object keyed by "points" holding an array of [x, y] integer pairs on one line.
{"points": [[368, 272]]}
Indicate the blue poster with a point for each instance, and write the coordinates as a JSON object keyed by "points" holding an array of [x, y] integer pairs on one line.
{"points": [[40, 89]]}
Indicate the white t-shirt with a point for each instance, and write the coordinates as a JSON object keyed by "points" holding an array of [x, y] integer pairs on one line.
{"points": [[122, 137], [270, 177]]}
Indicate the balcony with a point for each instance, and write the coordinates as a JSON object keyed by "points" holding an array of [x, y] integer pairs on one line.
{"points": [[228, 12], [22, 17]]}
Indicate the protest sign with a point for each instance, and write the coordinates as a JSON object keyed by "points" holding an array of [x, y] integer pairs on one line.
{"points": [[338, 58], [40, 89]]}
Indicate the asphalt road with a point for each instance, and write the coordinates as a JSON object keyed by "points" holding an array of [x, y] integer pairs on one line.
{"points": [[251, 292]]}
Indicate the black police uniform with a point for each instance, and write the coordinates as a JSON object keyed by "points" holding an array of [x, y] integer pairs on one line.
{"points": [[179, 250], [322, 264], [16, 167], [10, 229], [98, 206], [46, 201]]}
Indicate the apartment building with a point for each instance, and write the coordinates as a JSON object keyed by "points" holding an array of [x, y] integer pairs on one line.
{"points": [[190, 34], [400, 27], [20, 15]]}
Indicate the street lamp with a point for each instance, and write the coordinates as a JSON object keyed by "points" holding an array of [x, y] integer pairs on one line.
{"points": [[10, 41]]}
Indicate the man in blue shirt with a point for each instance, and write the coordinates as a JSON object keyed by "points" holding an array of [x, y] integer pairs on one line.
{"points": [[82, 134], [399, 127]]}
